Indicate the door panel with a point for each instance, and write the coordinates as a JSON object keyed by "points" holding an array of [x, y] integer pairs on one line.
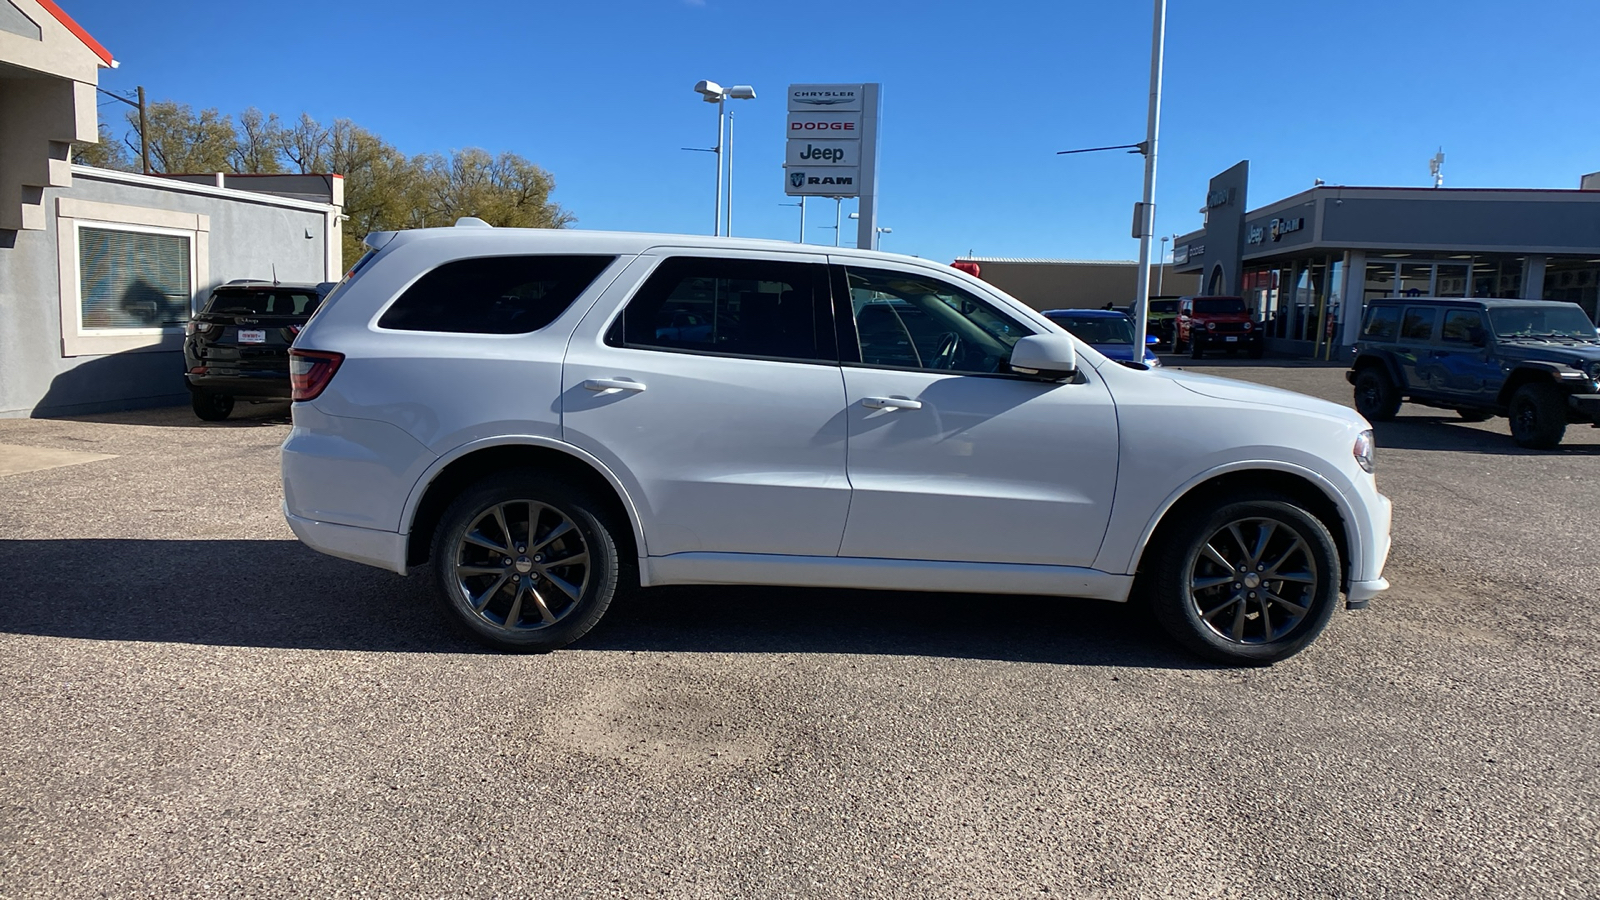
{"points": [[720, 452], [986, 469]]}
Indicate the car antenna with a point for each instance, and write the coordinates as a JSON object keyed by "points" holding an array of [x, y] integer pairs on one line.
{"points": [[274, 274]]}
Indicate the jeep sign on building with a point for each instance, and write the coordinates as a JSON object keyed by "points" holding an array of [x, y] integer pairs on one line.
{"points": [[832, 148]]}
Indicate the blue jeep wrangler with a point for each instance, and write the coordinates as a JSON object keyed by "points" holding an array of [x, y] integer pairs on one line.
{"points": [[1534, 361]]}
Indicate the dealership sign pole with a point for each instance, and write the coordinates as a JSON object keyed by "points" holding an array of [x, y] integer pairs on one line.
{"points": [[832, 148], [1144, 221]]}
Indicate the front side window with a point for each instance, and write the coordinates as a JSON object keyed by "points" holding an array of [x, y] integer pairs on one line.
{"points": [[1463, 326], [767, 309], [493, 294], [1418, 323], [911, 321], [133, 279], [1383, 323]]}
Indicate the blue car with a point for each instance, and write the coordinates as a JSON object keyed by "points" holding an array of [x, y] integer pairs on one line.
{"points": [[1106, 330]]}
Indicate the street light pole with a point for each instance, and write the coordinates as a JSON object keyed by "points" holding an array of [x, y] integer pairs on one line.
{"points": [[838, 205], [1147, 207], [1162, 270], [727, 227]]}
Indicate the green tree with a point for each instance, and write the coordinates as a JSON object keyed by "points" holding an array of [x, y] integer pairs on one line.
{"points": [[108, 154], [506, 191], [258, 144], [182, 141]]}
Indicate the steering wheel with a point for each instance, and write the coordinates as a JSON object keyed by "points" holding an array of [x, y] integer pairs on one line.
{"points": [[949, 346]]}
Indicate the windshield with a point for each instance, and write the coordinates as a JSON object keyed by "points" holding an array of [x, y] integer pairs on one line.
{"points": [[263, 303], [1163, 306], [1098, 329], [1219, 305], [1542, 321]]}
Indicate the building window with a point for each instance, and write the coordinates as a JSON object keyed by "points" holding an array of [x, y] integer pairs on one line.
{"points": [[133, 279]]}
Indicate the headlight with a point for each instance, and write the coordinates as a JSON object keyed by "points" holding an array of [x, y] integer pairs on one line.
{"points": [[1365, 450], [1211, 326]]}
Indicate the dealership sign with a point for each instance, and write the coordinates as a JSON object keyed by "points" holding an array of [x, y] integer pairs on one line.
{"points": [[831, 149]]}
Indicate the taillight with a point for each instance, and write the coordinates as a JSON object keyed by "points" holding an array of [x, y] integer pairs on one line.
{"points": [[188, 328], [294, 329], [310, 371]]}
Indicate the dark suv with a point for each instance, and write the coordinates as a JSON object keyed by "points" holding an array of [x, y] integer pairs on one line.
{"points": [[237, 345], [1535, 361], [1220, 323]]}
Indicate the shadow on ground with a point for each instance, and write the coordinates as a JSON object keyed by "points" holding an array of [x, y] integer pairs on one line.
{"points": [[247, 413], [280, 594], [1448, 432]]}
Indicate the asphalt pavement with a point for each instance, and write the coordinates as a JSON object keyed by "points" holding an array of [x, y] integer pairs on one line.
{"points": [[194, 705]]}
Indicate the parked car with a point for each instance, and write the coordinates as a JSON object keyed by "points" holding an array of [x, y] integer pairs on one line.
{"points": [[1535, 361], [1222, 323], [849, 419], [1107, 331], [1162, 321], [237, 345]]}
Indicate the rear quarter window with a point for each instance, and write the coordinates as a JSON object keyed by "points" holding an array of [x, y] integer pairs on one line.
{"points": [[493, 294]]}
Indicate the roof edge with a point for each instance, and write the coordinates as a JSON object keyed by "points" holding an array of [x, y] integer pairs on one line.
{"points": [[78, 31]]}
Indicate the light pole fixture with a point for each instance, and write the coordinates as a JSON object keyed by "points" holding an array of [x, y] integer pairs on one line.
{"points": [[802, 204], [878, 229], [711, 92]]}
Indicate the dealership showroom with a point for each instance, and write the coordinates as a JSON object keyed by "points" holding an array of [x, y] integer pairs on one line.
{"points": [[1308, 263]]}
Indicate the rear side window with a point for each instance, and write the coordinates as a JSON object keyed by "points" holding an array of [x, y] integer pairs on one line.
{"points": [[263, 303], [741, 307], [494, 294], [1418, 323], [1383, 323]]}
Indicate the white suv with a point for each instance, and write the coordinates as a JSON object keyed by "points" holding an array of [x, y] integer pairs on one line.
{"points": [[547, 417]]}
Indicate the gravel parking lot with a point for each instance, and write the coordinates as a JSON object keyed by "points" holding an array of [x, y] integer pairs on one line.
{"points": [[192, 704]]}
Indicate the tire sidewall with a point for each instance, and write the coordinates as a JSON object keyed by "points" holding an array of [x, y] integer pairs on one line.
{"points": [[592, 526], [1549, 422], [1182, 620], [1384, 405]]}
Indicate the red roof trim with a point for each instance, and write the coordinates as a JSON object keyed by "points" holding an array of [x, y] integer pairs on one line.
{"points": [[76, 29]]}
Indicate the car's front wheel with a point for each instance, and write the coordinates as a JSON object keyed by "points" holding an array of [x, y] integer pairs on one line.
{"points": [[211, 407], [1376, 396], [525, 563], [1249, 581], [1538, 416]]}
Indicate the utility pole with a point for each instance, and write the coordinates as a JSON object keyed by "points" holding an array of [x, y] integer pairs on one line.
{"points": [[144, 133], [1147, 212]]}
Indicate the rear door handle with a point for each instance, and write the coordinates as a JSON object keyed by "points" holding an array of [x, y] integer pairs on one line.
{"points": [[612, 384], [891, 403]]}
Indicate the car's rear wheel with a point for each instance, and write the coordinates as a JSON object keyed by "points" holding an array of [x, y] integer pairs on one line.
{"points": [[525, 563], [1538, 416], [211, 407], [1248, 581], [1475, 415], [1376, 396]]}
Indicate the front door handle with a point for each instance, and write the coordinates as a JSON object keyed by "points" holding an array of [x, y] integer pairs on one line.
{"points": [[891, 403], [612, 384]]}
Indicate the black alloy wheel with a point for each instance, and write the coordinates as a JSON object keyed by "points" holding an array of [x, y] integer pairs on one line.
{"points": [[1538, 416], [1249, 581], [525, 563], [1376, 397]]}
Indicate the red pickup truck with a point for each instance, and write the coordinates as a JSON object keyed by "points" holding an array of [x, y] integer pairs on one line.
{"points": [[1217, 323]]}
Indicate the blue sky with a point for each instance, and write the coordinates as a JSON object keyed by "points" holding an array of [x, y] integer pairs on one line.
{"points": [[977, 99]]}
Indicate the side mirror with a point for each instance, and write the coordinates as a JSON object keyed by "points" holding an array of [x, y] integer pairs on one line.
{"points": [[1049, 356], [1151, 339]]}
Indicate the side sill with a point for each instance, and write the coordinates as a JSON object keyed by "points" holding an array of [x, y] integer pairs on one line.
{"points": [[885, 574]]}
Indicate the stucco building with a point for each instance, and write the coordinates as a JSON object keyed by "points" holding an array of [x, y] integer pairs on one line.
{"points": [[100, 270]]}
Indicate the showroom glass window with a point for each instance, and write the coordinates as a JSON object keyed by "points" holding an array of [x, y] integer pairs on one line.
{"points": [[768, 309], [134, 279], [912, 321]]}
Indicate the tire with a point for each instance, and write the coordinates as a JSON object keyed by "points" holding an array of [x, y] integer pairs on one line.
{"points": [[1193, 597], [1475, 415], [211, 407], [1178, 346], [1538, 416], [547, 603], [1376, 397], [1197, 349]]}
